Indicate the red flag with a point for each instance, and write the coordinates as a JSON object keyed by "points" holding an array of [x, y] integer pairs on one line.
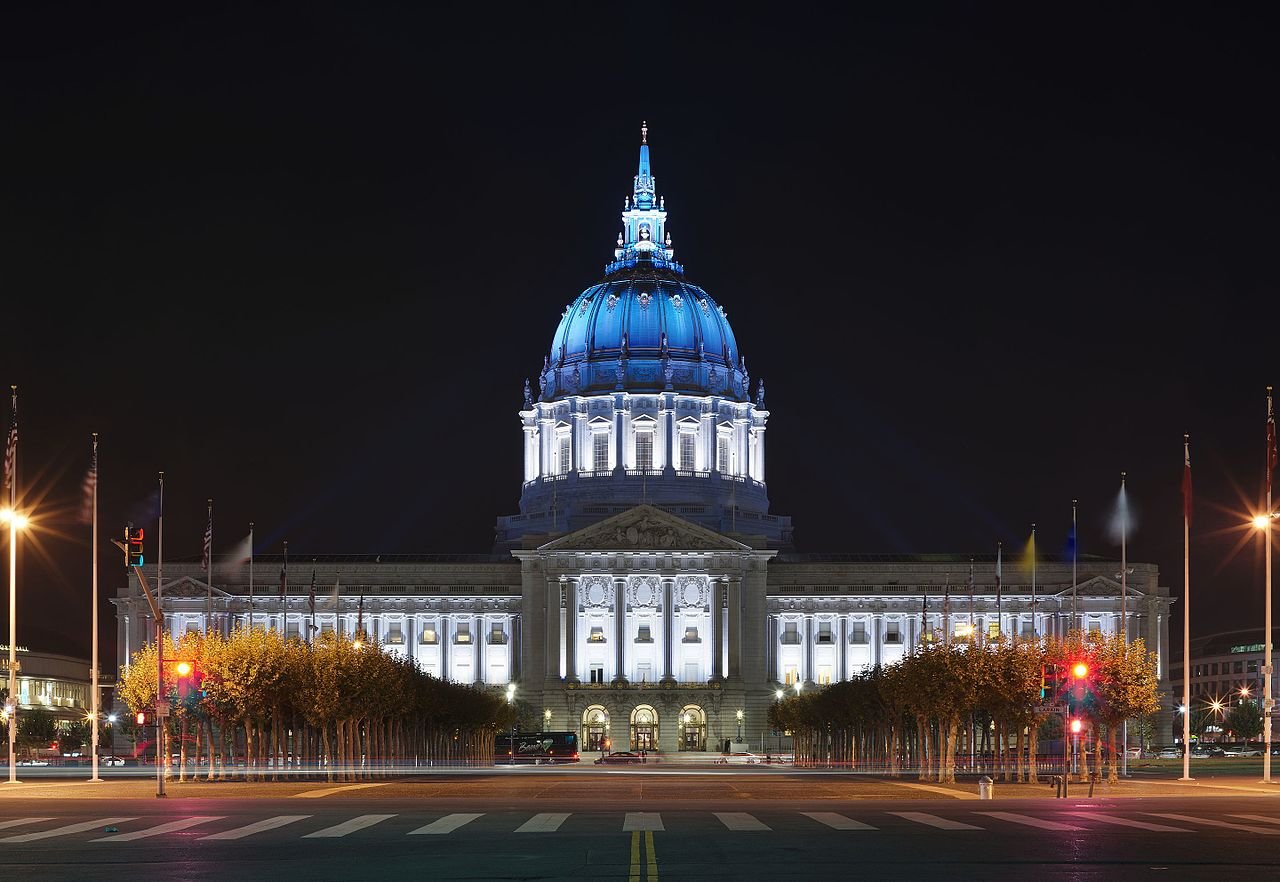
{"points": [[1186, 480]]}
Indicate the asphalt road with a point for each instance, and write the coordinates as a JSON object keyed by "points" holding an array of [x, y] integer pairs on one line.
{"points": [[628, 824]]}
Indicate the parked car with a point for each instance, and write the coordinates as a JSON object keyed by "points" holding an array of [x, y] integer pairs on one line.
{"points": [[621, 757], [1201, 751], [110, 761], [1241, 750], [1170, 753], [1136, 753], [739, 759], [33, 762]]}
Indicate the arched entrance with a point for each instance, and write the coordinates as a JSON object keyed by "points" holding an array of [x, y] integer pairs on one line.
{"points": [[693, 728], [595, 728], [644, 728]]}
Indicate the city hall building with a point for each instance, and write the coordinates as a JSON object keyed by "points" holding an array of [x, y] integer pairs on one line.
{"points": [[645, 593]]}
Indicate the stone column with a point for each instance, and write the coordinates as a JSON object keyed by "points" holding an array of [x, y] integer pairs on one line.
{"points": [[571, 630], [445, 636], [734, 587], [620, 630], [717, 640], [876, 640], [478, 640], [772, 674], [808, 650], [515, 664], [552, 644], [844, 647], [668, 630]]}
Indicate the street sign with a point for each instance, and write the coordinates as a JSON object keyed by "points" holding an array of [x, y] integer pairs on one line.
{"points": [[162, 712], [1051, 709]]}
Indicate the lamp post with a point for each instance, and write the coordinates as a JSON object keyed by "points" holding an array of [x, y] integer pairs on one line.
{"points": [[739, 716], [16, 522], [511, 698], [1263, 523]]}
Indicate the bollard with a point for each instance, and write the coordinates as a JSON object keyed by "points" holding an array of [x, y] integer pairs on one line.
{"points": [[985, 787]]}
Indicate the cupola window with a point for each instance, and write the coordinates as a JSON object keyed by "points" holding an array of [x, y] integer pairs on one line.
{"points": [[600, 451], [644, 450], [687, 451]]}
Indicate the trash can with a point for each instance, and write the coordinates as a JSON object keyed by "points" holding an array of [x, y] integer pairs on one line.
{"points": [[985, 787]]}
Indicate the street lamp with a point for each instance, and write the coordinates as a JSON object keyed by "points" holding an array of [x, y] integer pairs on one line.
{"points": [[1263, 523], [511, 697], [778, 694], [739, 715], [16, 522]]}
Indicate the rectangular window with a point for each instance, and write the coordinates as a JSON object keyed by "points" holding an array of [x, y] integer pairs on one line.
{"points": [[993, 630], [722, 454], [644, 450], [395, 637], [326, 627], [892, 634], [600, 452], [429, 636], [824, 632], [1237, 667], [824, 675], [790, 634], [1095, 627], [691, 635], [644, 672], [463, 633], [193, 628], [691, 672], [1027, 629], [564, 464], [1252, 666], [859, 634], [644, 634], [597, 634], [497, 636], [687, 457], [791, 673], [291, 631], [597, 673], [1213, 669]]}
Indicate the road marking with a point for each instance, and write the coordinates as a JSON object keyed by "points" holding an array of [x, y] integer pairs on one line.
{"points": [[20, 821], [652, 863], [180, 824], [642, 821], [1212, 822], [448, 823], [346, 827], [329, 791], [643, 846], [256, 827], [1258, 818], [634, 874], [543, 823], [945, 791], [935, 821], [1129, 822], [837, 821], [1030, 821], [67, 830], [740, 821]]}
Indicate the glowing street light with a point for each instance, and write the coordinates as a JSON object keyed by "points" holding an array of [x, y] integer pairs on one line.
{"points": [[16, 522], [778, 695], [1263, 523]]}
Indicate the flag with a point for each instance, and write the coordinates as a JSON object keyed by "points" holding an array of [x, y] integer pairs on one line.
{"points": [[206, 557], [1186, 479], [11, 447], [999, 549], [89, 487], [311, 598], [1271, 439], [284, 576], [360, 613]]}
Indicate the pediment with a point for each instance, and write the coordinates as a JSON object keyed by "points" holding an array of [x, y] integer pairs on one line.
{"points": [[189, 587], [1099, 586], [644, 528]]}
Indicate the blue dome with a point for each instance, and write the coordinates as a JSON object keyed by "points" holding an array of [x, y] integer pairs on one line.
{"points": [[661, 331]]}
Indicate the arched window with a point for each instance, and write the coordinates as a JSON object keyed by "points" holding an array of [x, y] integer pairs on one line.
{"points": [[595, 728], [644, 728], [693, 728]]}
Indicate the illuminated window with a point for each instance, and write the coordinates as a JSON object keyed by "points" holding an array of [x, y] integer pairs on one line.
{"points": [[463, 634], [644, 450], [790, 634], [993, 630], [824, 675], [687, 451], [395, 637], [563, 462], [858, 632], [722, 453], [791, 673], [600, 451], [497, 636], [429, 636], [597, 634], [691, 635]]}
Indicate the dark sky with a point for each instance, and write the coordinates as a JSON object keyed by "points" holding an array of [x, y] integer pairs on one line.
{"points": [[301, 258]]}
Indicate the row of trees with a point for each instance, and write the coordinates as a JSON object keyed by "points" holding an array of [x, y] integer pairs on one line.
{"points": [[943, 700], [337, 707]]}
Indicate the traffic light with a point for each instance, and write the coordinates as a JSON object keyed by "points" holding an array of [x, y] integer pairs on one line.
{"points": [[133, 556], [1079, 679], [186, 678], [1050, 681], [142, 718], [1076, 726]]}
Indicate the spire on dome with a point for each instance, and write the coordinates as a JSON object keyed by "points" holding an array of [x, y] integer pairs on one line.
{"points": [[644, 186], [644, 131], [644, 220]]}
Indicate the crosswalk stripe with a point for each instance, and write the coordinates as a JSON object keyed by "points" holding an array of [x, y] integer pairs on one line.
{"points": [[448, 823], [740, 821], [642, 821], [837, 821], [180, 824], [4, 825], [256, 827], [544, 823], [346, 827], [1030, 821], [1129, 822], [65, 831], [935, 821], [1258, 818], [1213, 822]]}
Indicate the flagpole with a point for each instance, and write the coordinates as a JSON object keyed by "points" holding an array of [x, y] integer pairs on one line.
{"points": [[1186, 608], [284, 593], [1075, 553], [999, 616], [94, 700], [973, 622], [250, 577], [1035, 629], [208, 558], [1267, 706], [1124, 561], [162, 759]]}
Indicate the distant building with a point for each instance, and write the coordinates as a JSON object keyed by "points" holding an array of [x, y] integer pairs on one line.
{"points": [[645, 595], [59, 684], [1222, 665]]}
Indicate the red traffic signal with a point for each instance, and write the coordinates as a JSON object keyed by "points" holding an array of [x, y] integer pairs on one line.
{"points": [[1076, 725], [142, 718], [1080, 670]]}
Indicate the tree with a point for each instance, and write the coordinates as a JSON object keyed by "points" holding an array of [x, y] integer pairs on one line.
{"points": [[37, 729], [1245, 720]]}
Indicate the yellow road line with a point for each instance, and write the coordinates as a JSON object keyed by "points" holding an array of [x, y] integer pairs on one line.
{"points": [[635, 856], [329, 791], [653, 856]]}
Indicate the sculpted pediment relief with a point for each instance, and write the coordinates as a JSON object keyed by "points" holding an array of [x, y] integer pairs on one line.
{"points": [[1099, 586], [644, 528], [188, 587]]}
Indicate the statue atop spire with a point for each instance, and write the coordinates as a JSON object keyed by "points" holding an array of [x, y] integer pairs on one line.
{"points": [[644, 132]]}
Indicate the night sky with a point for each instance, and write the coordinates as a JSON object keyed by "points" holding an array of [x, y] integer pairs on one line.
{"points": [[302, 258]]}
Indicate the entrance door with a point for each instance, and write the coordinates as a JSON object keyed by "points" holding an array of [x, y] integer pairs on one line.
{"points": [[692, 738], [643, 738]]}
